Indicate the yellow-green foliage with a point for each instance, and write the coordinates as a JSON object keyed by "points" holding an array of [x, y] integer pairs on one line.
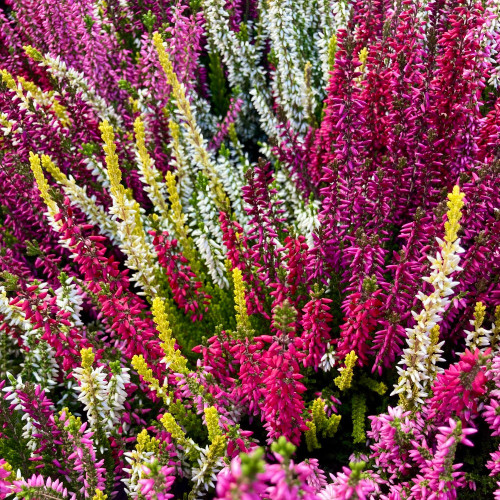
{"points": [[358, 418], [344, 380]]}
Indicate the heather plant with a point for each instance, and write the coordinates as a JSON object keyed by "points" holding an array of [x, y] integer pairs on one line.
{"points": [[250, 249]]}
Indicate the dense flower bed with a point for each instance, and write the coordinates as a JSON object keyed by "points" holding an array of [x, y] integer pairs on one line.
{"points": [[250, 249]]}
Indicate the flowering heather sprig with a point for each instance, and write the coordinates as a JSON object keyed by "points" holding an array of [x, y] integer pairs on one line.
{"points": [[351, 483], [173, 358], [185, 287], [283, 405], [479, 337], [265, 221], [316, 333], [241, 56], [240, 256], [439, 475], [341, 127], [93, 389], [39, 487], [459, 388], [284, 42], [344, 380], [156, 481], [127, 215], [206, 231], [193, 133], [242, 320], [41, 310], [362, 313], [39, 429], [413, 382], [91, 473], [138, 461]]}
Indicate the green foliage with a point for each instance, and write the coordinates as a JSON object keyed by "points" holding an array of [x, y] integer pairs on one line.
{"points": [[190, 421], [149, 20], [217, 83], [125, 85], [358, 418], [251, 465], [283, 447], [9, 281], [89, 22]]}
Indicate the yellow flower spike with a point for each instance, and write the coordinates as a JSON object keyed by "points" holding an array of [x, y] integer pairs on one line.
{"points": [[173, 428], [363, 57], [212, 419], [179, 220], [30, 87], [114, 172], [9, 81], [134, 103], [311, 436], [33, 53], [138, 230], [193, 131], [138, 251], [173, 357], [231, 132], [61, 113], [177, 215], [217, 448], [319, 414], [175, 132], [454, 214], [434, 340], [142, 441], [53, 170], [99, 495], [240, 304], [140, 139], [434, 336], [140, 366], [43, 185], [153, 445], [88, 358], [495, 332], [480, 336], [146, 443], [479, 313], [344, 380], [332, 50]]}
